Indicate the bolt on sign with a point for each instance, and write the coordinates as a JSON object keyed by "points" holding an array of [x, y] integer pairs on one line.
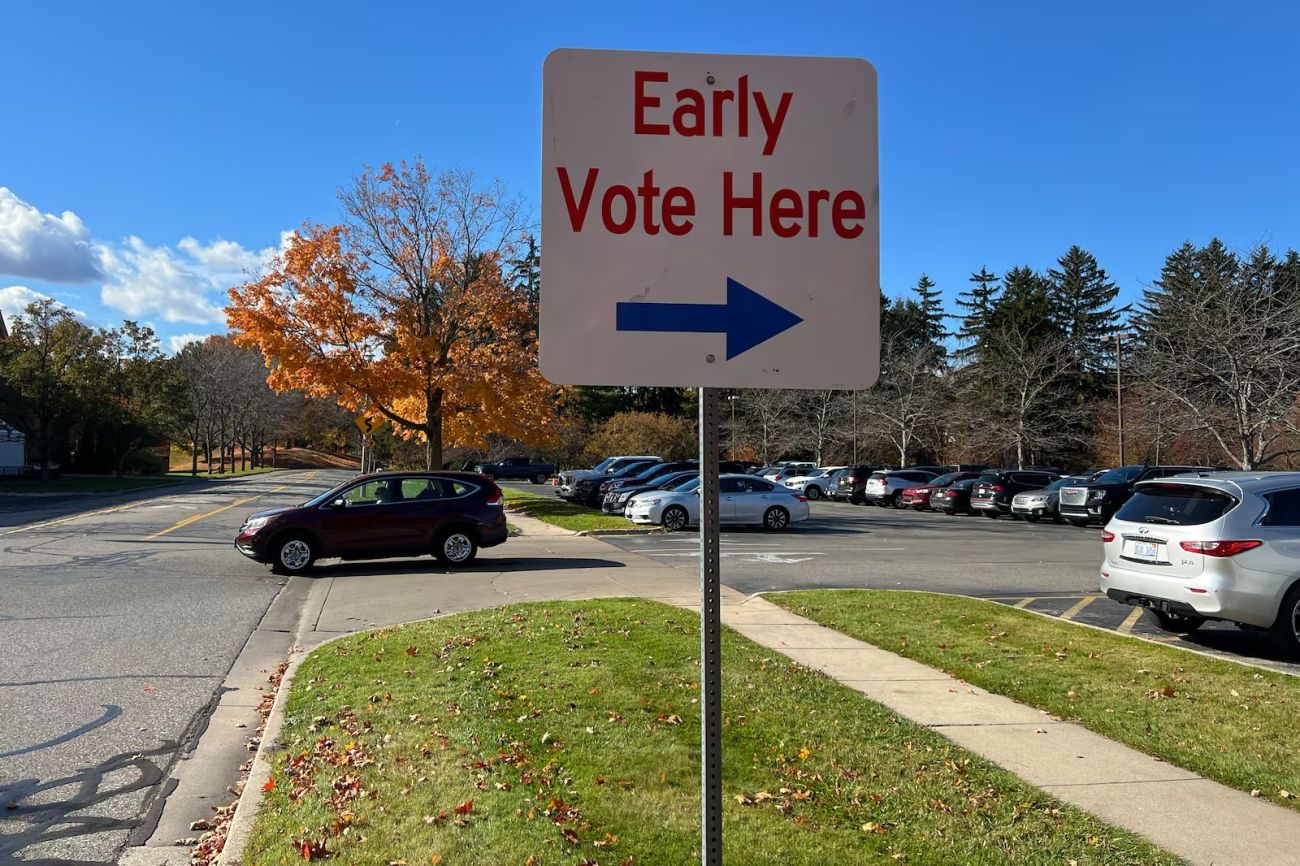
{"points": [[709, 220]]}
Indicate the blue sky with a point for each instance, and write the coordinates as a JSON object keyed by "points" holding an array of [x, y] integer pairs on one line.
{"points": [[152, 151]]}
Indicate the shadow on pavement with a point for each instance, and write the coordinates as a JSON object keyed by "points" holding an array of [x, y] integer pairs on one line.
{"points": [[428, 566]]}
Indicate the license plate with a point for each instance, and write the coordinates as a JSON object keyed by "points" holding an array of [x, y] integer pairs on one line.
{"points": [[1145, 550]]}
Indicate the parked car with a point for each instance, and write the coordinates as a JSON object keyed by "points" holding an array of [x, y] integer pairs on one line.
{"points": [[852, 485], [1222, 546], [833, 482], [1098, 500], [782, 471], [813, 483], [451, 515], [882, 488], [918, 495], [568, 480], [588, 491], [953, 499], [995, 488], [616, 500], [742, 500], [516, 467], [1035, 505]]}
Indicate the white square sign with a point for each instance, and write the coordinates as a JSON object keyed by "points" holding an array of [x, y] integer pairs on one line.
{"points": [[709, 220]]}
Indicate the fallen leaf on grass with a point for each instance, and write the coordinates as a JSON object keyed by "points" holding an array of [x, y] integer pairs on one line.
{"points": [[269, 786], [569, 836], [465, 808], [1285, 795], [412, 651]]}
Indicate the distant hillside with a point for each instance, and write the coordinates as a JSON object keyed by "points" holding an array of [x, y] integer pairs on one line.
{"points": [[286, 458]]}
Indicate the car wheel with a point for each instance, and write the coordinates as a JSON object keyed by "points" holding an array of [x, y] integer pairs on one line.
{"points": [[1031, 518], [539, 478], [949, 512], [813, 492], [674, 518], [1175, 623], [1286, 629], [455, 547], [1076, 521], [776, 518], [294, 554]]}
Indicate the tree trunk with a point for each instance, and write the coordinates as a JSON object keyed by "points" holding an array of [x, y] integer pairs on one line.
{"points": [[433, 431], [194, 458]]}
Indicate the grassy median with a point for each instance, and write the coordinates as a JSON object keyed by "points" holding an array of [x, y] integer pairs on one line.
{"points": [[1232, 723], [551, 509], [568, 733]]}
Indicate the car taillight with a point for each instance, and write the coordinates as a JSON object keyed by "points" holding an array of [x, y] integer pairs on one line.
{"points": [[801, 497], [1107, 537], [495, 497], [853, 479], [1219, 548], [994, 488]]}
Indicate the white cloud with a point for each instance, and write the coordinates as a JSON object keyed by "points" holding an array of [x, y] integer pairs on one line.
{"points": [[14, 301], [185, 284], [180, 341], [53, 249]]}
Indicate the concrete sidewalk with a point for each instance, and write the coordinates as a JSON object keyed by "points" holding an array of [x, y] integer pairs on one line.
{"points": [[1199, 820]]}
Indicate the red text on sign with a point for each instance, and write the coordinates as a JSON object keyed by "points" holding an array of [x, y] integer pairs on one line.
{"points": [[618, 205], [787, 209], [695, 115]]}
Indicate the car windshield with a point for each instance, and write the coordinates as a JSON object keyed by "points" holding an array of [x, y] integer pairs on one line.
{"points": [[1122, 475], [945, 480], [1066, 482], [1176, 505], [672, 481], [603, 465], [688, 486], [964, 484]]}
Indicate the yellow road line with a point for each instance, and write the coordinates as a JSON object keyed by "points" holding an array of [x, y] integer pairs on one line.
{"points": [[1131, 620], [70, 517], [195, 518], [1079, 605], [1025, 602]]}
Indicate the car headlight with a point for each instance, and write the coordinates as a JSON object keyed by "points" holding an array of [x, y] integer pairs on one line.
{"points": [[653, 501], [1097, 496], [253, 524]]}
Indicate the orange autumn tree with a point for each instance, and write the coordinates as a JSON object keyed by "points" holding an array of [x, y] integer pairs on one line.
{"points": [[404, 310]]}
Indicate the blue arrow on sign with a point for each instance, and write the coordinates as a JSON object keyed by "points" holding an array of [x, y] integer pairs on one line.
{"points": [[747, 318]]}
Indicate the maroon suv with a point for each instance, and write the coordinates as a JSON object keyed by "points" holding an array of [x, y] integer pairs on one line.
{"points": [[448, 514]]}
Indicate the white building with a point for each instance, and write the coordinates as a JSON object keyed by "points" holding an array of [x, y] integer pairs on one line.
{"points": [[12, 443]]}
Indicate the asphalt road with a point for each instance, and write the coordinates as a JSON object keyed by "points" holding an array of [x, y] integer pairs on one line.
{"points": [[1044, 567], [118, 627]]}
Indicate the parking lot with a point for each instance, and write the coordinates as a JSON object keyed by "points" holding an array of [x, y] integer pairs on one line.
{"points": [[1045, 568]]}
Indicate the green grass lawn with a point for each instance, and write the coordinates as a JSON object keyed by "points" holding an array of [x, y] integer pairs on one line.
{"points": [[558, 512], [1231, 723], [568, 733], [230, 473]]}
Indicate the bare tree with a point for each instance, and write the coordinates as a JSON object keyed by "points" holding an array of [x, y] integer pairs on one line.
{"points": [[1226, 354], [904, 407], [1018, 400], [822, 414], [766, 421]]}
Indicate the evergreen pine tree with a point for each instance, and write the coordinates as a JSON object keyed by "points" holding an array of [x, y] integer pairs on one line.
{"points": [[931, 301], [1083, 308], [978, 303], [1024, 308]]}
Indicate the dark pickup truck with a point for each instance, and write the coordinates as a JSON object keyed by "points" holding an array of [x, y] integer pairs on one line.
{"points": [[516, 467], [1097, 500]]}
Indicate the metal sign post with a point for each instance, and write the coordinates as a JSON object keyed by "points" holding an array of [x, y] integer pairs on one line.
{"points": [[707, 217], [710, 634]]}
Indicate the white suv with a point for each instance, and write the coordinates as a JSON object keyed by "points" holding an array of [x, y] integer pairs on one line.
{"points": [[1222, 545]]}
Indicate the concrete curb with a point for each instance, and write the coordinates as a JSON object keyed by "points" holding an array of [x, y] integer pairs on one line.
{"points": [[597, 533], [250, 799]]}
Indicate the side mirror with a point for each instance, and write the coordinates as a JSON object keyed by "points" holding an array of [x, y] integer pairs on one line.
{"points": [[339, 503]]}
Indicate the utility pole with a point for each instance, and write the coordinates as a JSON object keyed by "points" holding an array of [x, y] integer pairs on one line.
{"points": [[855, 428], [1119, 393]]}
